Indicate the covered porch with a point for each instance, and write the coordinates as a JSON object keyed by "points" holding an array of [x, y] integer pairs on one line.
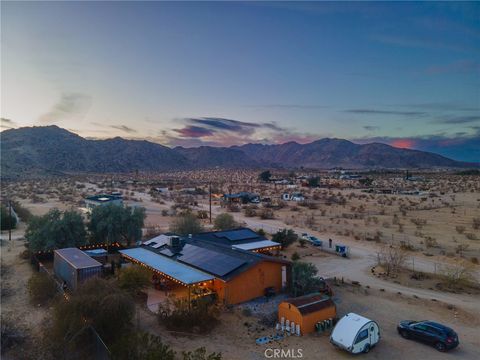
{"points": [[171, 280]]}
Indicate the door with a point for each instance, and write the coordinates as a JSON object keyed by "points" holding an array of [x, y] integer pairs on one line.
{"points": [[361, 340], [373, 335], [420, 333]]}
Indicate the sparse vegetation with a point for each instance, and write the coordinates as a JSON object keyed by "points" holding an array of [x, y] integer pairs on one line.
{"points": [[41, 288], [186, 224], [225, 222]]}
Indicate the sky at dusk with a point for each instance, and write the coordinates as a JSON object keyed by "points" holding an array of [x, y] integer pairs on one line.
{"points": [[227, 73]]}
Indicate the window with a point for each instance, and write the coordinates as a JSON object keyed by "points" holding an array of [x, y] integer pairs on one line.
{"points": [[362, 335], [420, 327]]}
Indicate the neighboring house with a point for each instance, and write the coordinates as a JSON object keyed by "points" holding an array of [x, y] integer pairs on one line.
{"points": [[241, 238], [73, 266], [242, 197], [307, 311], [102, 199], [194, 266], [296, 196]]}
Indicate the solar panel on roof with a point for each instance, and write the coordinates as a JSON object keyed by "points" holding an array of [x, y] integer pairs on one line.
{"points": [[210, 261], [237, 235], [148, 242], [167, 252], [156, 246]]}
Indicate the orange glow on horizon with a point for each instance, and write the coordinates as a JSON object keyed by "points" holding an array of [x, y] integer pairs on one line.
{"points": [[403, 143]]}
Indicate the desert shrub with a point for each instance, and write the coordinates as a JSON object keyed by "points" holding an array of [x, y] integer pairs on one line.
{"points": [[266, 213], [41, 288], [232, 207], [456, 276], [141, 345], [200, 317], [200, 354], [471, 236], [250, 211], [474, 260], [302, 242], [134, 279], [12, 333], [391, 258], [476, 223], [430, 242], [261, 232], [202, 214], [97, 302], [225, 222], [460, 229], [285, 237], [186, 224], [295, 256]]}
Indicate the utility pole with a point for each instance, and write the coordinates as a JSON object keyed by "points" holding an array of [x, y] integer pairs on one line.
{"points": [[210, 200], [10, 221]]}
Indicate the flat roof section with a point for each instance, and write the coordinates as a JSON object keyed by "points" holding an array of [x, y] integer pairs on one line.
{"points": [[77, 258], [174, 269], [256, 245]]}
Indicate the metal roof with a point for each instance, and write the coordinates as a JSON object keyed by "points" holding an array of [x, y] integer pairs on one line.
{"points": [[311, 303], [77, 258], [256, 245], [172, 268], [237, 236]]}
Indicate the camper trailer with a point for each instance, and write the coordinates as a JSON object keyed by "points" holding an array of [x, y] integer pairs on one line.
{"points": [[355, 334]]}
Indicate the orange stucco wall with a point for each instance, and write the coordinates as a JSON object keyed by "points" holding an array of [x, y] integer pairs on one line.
{"points": [[250, 284], [307, 322]]}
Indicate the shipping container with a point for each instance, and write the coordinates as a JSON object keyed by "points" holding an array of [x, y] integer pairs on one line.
{"points": [[74, 266]]}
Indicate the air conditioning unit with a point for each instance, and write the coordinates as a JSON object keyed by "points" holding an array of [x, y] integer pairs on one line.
{"points": [[175, 241]]}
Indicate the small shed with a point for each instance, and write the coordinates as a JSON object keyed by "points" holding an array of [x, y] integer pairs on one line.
{"points": [[307, 311], [74, 266]]}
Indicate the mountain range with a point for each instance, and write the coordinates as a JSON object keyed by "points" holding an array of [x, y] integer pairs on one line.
{"points": [[49, 150]]}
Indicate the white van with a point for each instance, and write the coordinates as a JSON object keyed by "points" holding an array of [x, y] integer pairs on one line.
{"points": [[355, 334]]}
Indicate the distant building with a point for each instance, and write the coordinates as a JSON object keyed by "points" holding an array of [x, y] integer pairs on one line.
{"points": [[243, 197], [241, 238], [296, 196], [103, 199]]}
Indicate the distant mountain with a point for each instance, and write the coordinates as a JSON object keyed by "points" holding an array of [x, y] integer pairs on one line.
{"points": [[330, 153], [49, 150]]}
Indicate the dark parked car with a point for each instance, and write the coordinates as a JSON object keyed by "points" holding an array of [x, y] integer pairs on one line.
{"points": [[440, 336]]}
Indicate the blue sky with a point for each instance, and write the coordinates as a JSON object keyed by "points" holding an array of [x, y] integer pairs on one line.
{"points": [[225, 73]]}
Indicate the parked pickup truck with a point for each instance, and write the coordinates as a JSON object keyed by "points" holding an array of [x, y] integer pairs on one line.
{"points": [[312, 239]]}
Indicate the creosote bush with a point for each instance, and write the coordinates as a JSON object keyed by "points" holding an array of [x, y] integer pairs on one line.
{"points": [[41, 288]]}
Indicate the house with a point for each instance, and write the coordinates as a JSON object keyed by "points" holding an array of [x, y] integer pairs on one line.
{"points": [[241, 238], [102, 199], [73, 266], [307, 311], [243, 197], [196, 268], [296, 196]]}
